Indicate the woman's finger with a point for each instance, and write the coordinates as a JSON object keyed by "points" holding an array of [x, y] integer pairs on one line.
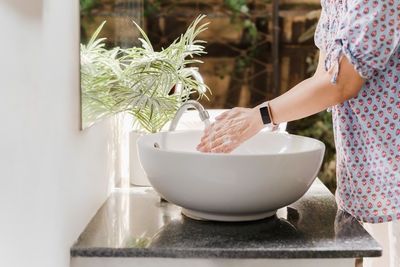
{"points": [[203, 147], [214, 128], [224, 140], [215, 144], [206, 134], [208, 128], [223, 131], [222, 115], [233, 113], [226, 115], [204, 141], [224, 148], [209, 139]]}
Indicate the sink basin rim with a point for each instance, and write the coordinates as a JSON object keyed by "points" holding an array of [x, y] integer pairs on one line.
{"points": [[141, 142]]}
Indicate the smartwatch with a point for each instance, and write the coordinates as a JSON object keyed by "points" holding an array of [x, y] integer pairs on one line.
{"points": [[266, 117]]}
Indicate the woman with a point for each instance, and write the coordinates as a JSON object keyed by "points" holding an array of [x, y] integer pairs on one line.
{"points": [[358, 78]]}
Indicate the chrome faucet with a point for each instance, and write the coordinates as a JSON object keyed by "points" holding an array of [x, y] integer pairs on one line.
{"points": [[189, 104]]}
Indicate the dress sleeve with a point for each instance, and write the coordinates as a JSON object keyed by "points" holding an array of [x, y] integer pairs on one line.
{"points": [[368, 35]]}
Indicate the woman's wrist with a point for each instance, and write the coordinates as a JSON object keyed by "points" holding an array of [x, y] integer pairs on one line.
{"points": [[274, 116], [264, 114], [257, 118]]}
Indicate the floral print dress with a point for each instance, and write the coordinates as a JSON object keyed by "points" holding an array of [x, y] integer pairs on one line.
{"points": [[367, 127]]}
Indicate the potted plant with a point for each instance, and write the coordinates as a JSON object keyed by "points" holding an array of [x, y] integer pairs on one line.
{"points": [[146, 84]]}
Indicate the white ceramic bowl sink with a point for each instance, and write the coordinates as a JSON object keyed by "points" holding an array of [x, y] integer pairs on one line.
{"points": [[268, 172]]}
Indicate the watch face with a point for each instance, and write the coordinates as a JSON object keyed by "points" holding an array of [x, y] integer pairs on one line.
{"points": [[265, 115]]}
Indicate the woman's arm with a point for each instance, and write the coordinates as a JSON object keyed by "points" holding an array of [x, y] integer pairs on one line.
{"points": [[307, 98], [317, 93]]}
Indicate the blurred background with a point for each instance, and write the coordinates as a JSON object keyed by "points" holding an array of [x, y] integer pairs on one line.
{"points": [[256, 49]]}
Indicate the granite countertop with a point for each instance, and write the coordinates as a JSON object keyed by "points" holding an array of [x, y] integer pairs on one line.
{"points": [[135, 223]]}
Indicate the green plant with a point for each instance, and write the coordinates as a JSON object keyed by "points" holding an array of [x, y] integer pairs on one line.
{"points": [[100, 75], [87, 17], [150, 8], [86, 6], [137, 242], [141, 81], [242, 14]]}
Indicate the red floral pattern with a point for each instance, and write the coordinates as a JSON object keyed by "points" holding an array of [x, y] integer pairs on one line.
{"points": [[367, 127]]}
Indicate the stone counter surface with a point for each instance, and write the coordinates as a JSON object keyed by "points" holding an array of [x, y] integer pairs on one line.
{"points": [[135, 223]]}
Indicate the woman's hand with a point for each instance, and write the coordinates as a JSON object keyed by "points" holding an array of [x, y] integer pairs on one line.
{"points": [[230, 129]]}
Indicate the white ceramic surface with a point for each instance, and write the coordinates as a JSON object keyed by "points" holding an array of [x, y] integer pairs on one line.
{"points": [[269, 171], [137, 175], [189, 121]]}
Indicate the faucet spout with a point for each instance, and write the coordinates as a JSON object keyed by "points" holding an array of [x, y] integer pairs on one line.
{"points": [[189, 104]]}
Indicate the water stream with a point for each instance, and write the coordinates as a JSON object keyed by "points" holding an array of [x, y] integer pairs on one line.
{"points": [[207, 125]]}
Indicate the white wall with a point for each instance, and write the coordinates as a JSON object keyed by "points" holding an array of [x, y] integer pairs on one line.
{"points": [[53, 177]]}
